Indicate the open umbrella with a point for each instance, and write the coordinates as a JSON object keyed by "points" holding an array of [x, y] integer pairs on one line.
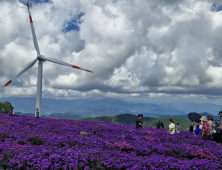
{"points": [[194, 117], [10, 104]]}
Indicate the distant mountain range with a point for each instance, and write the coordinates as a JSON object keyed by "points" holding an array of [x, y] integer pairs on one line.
{"points": [[91, 107], [197, 107], [54, 115], [186, 116]]}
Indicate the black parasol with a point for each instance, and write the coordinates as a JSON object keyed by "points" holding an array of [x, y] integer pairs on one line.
{"points": [[194, 117]]}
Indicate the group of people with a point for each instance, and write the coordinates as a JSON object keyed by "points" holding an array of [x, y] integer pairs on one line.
{"points": [[160, 125], [173, 128], [12, 112], [206, 128]]}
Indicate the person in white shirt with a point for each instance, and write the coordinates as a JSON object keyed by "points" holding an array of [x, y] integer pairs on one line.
{"points": [[171, 127], [194, 128], [212, 124]]}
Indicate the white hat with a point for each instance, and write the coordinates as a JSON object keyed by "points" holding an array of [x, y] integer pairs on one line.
{"points": [[203, 118]]}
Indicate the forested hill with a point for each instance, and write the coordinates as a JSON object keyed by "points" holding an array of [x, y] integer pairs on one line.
{"points": [[130, 119]]}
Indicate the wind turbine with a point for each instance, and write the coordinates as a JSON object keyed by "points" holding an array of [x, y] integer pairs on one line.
{"points": [[41, 59]]}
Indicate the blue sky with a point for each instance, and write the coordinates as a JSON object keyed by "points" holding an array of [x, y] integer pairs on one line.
{"points": [[74, 24], [215, 7], [33, 1]]}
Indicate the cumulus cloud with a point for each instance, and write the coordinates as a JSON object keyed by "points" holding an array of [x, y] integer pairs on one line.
{"points": [[135, 48]]}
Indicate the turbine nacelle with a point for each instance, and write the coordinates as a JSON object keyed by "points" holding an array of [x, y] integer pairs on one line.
{"points": [[41, 57]]}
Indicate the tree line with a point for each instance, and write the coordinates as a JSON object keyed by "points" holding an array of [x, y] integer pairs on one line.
{"points": [[4, 108]]}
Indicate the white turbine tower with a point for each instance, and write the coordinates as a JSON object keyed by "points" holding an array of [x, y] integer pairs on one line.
{"points": [[41, 59]]}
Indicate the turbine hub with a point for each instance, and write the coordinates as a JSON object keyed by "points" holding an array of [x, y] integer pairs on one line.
{"points": [[42, 57]]}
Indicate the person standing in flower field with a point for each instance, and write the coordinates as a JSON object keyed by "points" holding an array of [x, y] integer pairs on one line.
{"points": [[158, 125], [205, 128], [178, 128], [212, 124], [220, 122], [37, 113], [162, 125], [139, 124], [190, 127], [171, 127], [12, 111], [194, 128], [200, 128]]}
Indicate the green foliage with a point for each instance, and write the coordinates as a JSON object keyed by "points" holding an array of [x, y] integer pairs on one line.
{"points": [[21, 142], [4, 108], [71, 144], [6, 160], [128, 119], [64, 116], [100, 119], [61, 145], [35, 141], [3, 137]]}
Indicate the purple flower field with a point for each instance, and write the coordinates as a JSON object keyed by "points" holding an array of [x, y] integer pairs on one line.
{"points": [[30, 143]]}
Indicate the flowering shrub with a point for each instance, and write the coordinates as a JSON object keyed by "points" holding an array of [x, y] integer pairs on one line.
{"points": [[149, 138], [195, 151], [123, 146], [30, 143]]}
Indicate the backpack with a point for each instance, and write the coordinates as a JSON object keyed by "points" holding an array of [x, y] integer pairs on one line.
{"points": [[197, 129]]}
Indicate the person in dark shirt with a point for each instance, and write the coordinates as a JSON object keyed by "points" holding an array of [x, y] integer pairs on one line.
{"points": [[158, 125], [139, 124], [162, 125], [191, 127], [11, 111], [37, 113]]}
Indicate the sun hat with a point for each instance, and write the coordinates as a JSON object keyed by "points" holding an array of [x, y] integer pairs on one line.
{"points": [[203, 118]]}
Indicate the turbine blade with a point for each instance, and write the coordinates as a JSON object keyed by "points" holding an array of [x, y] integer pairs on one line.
{"points": [[33, 32], [19, 74], [63, 63]]}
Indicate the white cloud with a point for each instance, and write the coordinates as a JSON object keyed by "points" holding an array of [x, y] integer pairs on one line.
{"points": [[133, 47]]}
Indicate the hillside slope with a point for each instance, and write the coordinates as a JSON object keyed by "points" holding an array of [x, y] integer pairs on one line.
{"points": [[46, 143], [130, 119]]}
